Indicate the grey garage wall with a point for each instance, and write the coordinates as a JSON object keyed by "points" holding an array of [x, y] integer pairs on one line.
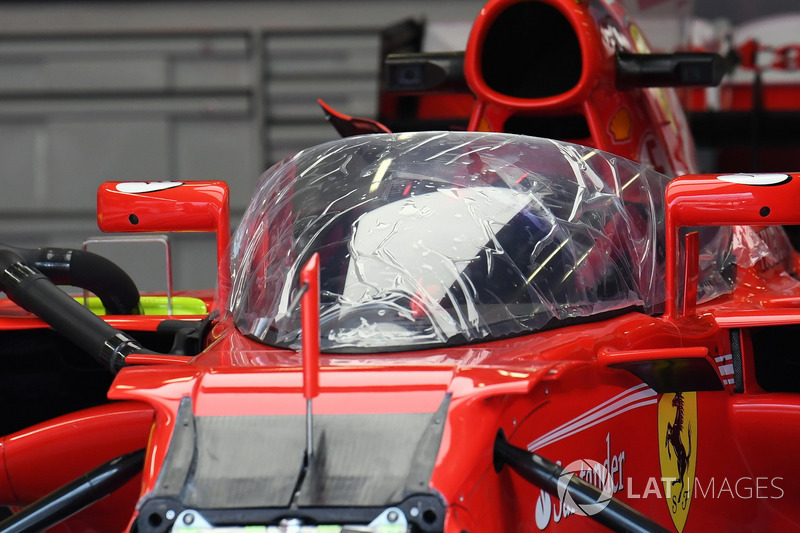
{"points": [[97, 91]]}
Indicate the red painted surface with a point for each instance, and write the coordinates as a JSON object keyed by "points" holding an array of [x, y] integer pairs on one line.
{"points": [[191, 206], [553, 393]]}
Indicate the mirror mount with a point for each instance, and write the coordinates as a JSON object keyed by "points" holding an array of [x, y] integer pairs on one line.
{"points": [[169, 206]]}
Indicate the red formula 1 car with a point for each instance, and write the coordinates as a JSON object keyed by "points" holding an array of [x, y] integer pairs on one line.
{"points": [[433, 331]]}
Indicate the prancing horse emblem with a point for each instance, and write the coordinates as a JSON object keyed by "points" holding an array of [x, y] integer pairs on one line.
{"points": [[677, 429]]}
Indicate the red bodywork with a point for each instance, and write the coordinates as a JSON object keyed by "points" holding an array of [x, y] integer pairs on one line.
{"points": [[642, 125], [689, 439]]}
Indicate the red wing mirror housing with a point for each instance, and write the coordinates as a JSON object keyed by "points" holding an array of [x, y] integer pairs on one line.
{"points": [[724, 200], [168, 206]]}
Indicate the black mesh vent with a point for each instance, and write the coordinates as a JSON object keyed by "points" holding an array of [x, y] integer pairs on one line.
{"points": [[531, 51], [736, 360]]}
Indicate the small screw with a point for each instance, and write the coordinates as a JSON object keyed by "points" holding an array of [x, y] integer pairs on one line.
{"points": [[414, 512], [392, 516], [170, 514], [188, 519]]}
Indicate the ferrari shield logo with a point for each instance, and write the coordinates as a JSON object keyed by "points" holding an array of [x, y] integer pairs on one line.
{"points": [[677, 437]]}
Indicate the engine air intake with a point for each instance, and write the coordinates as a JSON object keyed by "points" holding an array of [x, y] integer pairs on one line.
{"points": [[531, 51]]}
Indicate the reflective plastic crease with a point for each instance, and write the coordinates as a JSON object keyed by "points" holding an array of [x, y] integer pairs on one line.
{"points": [[441, 238]]}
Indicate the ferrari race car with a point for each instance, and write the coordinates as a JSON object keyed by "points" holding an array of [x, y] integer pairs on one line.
{"points": [[441, 331]]}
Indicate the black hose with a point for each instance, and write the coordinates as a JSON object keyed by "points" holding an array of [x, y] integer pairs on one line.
{"points": [[87, 270], [77, 495], [34, 292], [545, 474]]}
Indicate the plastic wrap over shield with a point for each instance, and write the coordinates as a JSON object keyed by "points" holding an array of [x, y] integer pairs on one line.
{"points": [[444, 238]]}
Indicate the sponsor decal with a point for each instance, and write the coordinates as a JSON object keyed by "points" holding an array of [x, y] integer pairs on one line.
{"points": [[136, 187], [756, 179], [633, 398], [678, 486], [606, 476], [612, 38], [577, 468], [620, 126], [725, 367], [544, 510], [677, 437]]}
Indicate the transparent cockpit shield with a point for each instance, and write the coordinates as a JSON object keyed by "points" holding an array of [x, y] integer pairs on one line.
{"points": [[437, 238]]}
